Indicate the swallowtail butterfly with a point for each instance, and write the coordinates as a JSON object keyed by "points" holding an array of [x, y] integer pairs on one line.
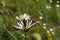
{"points": [[26, 24]]}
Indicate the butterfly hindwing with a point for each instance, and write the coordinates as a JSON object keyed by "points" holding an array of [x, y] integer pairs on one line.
{"points": [[34, 23]]}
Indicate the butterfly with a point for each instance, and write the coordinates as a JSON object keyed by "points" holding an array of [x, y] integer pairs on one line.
{"points": [[26, 24]]}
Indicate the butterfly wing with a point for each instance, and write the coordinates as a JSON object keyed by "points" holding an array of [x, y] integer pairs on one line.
{"points": [[30, 24], [34, 23], [19, 25]]}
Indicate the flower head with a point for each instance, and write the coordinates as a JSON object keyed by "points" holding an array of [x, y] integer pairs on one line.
{"points": [[48, 31], [57, 5], [44, 27], [44, 24], [41, 17], [57, 1], [48, 7], [50, 1], [52, 33], [51, 29], [24, 16]]}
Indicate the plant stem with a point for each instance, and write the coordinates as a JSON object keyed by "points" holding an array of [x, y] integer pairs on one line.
{"points": [[25, 36]]}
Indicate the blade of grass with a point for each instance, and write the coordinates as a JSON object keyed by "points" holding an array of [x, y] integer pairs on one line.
{"points": [[4, 27]]}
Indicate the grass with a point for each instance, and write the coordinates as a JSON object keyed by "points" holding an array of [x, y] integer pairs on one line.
{"points": [[35, 9]]}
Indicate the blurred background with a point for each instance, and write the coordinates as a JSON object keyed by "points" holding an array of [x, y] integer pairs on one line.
{"points": [[47, 12]]}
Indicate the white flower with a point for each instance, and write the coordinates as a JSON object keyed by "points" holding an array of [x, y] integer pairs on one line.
{"points": [[48, 7], [37, 0], [17, 17], [57, 5], [44, 27], [44, 24], [48, 31], [41, 17], [25, 16], [50, 1], [52, 33], [57, 1], [21, 16], [51, 29]]}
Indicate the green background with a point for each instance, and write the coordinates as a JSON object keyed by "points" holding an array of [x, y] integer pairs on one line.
{"points": [[35, 9]]}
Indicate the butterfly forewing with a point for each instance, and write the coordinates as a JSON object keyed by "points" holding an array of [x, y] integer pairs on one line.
{"points": [[19, 25], [31, 23]]}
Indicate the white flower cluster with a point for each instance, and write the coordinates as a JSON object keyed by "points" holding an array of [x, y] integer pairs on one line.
{"points": [[48, 6], [44, 26], [57, 1], [50, 30], [24, 16], [57, 5]]}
